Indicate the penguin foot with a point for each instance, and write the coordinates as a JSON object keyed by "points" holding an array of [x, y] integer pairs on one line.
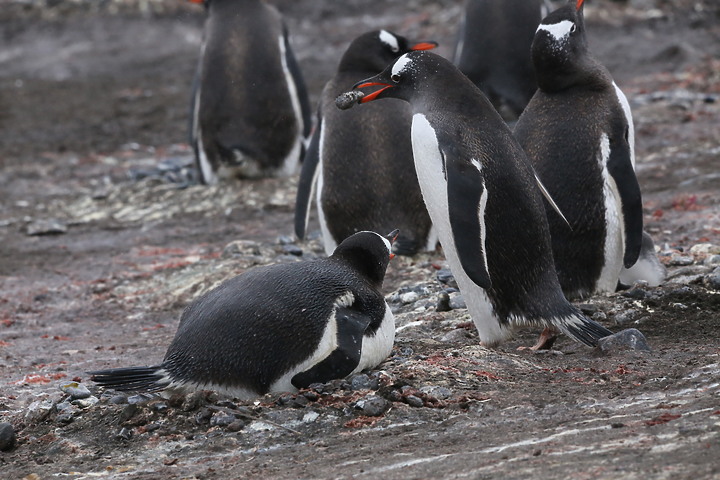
{"points": [[545, 341]]}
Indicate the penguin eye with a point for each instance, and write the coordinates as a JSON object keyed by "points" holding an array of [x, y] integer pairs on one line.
{"points": [[394, 49], [573, 28], [395, 77]]}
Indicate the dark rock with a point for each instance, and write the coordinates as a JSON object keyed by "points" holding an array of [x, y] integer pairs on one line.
{"points": [[457, 302], [237, 425], [7, 437], [64, 418], [159, 407], [588, 308], [628, 339], [118, 399], [124, 434], [221, 419], [128, 412], [372, 405], [414, 401], [311, 395], [360, 381], [292, 250], [203, 416], [443, 303], [446, 277], [46, 227], [636, 293]]}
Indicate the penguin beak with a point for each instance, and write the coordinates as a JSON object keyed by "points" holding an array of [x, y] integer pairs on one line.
{"points": [[392, 236], [369, 83], [578, 5], [196, 1], [426, 45]]}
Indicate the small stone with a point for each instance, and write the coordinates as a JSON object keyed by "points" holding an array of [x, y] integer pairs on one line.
{"points": [[636, 293], [46, 227], [705, 249], [285, 240], [86, 402], [445, 276], [124, 434], [292, 250], [372, 405], [457, 302], [203, 416], [221, 419], [64, 418], [713, 279], [441, 393], [37, 411], [455, 335], [414, 401], [712, 260], [628, 339], [360, 381], [443, 303], [118, 399], [192, 401], [409, 297], [128, 412], [137, 399], [623, 318], [159, 407], [240, 247], [348, 99], [76, 390], [681, 260], [599, 316], [588, 308], [7, 437], [237, 425]]}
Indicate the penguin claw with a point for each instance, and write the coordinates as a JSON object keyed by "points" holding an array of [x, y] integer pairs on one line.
{"points": [[546, 340]]}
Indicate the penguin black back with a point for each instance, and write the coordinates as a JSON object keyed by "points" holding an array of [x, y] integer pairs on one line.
{"points": [[493, 50], [250, 111]]}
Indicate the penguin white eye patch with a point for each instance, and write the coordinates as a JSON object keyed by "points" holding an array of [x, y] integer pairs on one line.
{"points": [[559, 31], [400, 65], [389, 39]]}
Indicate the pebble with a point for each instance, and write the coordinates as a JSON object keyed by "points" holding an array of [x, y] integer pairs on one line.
{"points": [[124, 433], [681, 260], [118, 399], [628, 339], [7, 437], [705, 249], [348, 99], [445, 276], [713, 279], [38, 410], [443, 303], [372, 405], [46, 227], [712, 260], [292, 250], [85, 402], [221, 419], [441, 393], [76, 390], [455, 335], [457, 302], [360, 381], [414, 401], [241, 247], [409, 297], [636, 293], [64, 418], [623, 318]]}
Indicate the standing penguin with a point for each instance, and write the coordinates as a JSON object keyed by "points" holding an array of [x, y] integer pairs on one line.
{"points": [[578, 133], [483, 199], [250, 111], [360, 162], [493, 50], [278, 328]]}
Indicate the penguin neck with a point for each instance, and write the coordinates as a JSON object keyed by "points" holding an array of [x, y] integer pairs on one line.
{"points": [[586, 73], [363, 261]]}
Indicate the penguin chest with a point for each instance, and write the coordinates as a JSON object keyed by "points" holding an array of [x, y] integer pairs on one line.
{"points": [[614, 225]]}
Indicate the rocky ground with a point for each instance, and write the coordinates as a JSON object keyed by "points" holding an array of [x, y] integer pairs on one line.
{"points": [[99, 253]]}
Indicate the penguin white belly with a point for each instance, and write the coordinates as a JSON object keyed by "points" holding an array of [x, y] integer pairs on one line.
{"points": [[206, 168], [190, 386], [628, 117], [614, 225], [377, 348], [328, 240], [429, 169], [292, 160]]}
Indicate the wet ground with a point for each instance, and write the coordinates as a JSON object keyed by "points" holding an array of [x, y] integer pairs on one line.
{"points": [[96, 264]]}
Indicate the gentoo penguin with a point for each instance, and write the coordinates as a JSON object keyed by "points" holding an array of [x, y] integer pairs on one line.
{"points": [[493, 50], [250, 111], [360, 162], [278, 328], [483, 199], [578, 133]]}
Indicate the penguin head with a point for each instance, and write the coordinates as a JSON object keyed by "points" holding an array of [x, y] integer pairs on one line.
{"points": [[407, 77], [368, 253], [559, 49], [372, 51]]}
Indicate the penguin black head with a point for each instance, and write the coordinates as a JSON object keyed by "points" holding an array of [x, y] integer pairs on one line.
{"points": [[407, 76], [372, 51], [367, 252], [560, 50]]}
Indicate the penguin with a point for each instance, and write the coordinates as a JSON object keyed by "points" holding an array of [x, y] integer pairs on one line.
{"points": [[493, 50], [484, 201], [578, 133], [278, 328], [250, 113], [360, 162], [648, 267]]}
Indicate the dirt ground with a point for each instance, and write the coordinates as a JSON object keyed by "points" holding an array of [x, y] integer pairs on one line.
{"points": [[96, 263]]}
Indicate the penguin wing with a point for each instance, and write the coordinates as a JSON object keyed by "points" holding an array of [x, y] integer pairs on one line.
{"points": [[351, 326], [467, 198], [620, 168], [195, 112], [306, 184], [300, 88]]}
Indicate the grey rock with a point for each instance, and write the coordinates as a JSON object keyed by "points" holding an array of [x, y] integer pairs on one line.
{"points": [[457, 302], [221, 419], [628, 339], [292, 250], [455, 335], [588, 308], [713, 279], [443, 303], [409, 297], [76, 390], [46, 227], [441, 393], [86, 402], [623, 318], [7, 437], [446, 277], [64, 418], [681, 260], [712, 260], [37, 411], [372, 405], [118, 399], [360, 381], [636, 293], [124, 434], [414, 401]]}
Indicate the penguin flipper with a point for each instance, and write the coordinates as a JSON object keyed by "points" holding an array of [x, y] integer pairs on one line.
{"points": [[134, 379], [300, 87], [467, 198], [341, 362], [308, 177], [620, 167]]}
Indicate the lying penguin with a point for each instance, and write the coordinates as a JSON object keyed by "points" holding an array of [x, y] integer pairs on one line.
{"points": [[278, 328]]}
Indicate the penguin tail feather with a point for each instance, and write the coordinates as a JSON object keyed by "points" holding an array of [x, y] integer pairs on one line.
{"points": [[133, 379], [582, 329]]}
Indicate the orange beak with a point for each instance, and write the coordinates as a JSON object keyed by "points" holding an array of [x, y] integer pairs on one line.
{"points": [[424, 46], [372, 96], [579, 4]]}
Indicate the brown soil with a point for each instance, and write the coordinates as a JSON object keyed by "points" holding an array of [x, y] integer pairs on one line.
{"points": [[90, 93]]}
